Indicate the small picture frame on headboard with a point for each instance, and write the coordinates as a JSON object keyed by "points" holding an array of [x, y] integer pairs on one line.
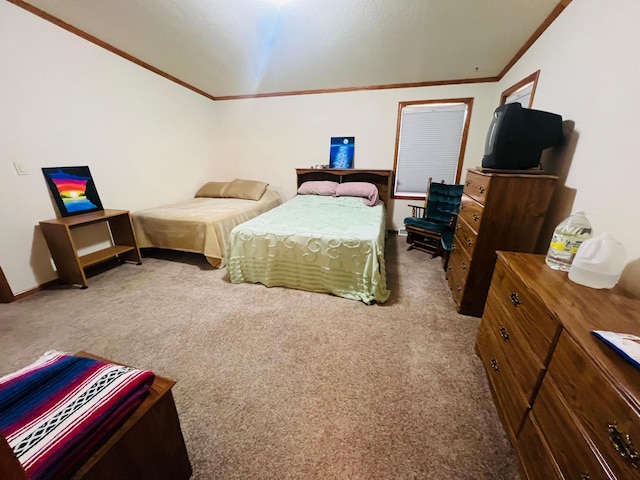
{"points": [[342, 152], [73, 190]]}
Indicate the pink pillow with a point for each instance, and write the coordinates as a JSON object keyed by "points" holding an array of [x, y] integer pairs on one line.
{"points": [[367, 190], [324, 187]]}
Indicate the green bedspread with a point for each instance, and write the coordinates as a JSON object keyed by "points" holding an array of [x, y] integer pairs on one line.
{"points": [[314, 243]]}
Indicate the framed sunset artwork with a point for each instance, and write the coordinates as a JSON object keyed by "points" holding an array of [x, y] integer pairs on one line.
{"points": [[73, 190]]}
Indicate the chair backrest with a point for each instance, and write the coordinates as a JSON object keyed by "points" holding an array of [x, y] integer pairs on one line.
{"points": [[442, 201]]}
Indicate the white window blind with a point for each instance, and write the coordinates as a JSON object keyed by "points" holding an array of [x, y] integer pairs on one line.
{"points": [[522, 96], [428, 146]]}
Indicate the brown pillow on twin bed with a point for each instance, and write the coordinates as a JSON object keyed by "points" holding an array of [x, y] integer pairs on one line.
{"points": [[247, 189], [211, 189]]}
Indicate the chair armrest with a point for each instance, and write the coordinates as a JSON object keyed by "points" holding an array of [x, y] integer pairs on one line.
{"points": [[417, 211]]}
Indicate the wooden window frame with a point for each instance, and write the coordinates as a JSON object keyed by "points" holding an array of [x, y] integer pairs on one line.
{"points": [[463, 141], [533, 78]]}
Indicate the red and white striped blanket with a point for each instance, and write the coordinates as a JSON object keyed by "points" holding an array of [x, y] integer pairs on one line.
{"points": [[57, 411]]}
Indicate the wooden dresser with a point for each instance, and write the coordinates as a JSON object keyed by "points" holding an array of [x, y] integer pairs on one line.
{"points": [[499, 211], [570, 404]]}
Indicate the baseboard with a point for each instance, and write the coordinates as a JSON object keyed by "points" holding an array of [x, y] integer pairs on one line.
{"points": [[7, 296]]}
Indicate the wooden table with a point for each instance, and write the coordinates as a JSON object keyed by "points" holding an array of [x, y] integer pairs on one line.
{"points": [[71, 267]]}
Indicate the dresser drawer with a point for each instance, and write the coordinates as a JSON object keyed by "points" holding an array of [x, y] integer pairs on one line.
{"points": [[457, 270], [534, 321], [526, 367], [599, 408], [477, 186], [471, 212], [466, 236], [571, 450], [535, 455], [583, 421], [513, 405]]}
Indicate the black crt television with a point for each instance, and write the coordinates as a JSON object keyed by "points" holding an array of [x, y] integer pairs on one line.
{"points": [[517, 136]]}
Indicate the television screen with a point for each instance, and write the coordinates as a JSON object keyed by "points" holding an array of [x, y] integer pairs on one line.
{"points": [[517, 136], [490, 142], [72, 189]]}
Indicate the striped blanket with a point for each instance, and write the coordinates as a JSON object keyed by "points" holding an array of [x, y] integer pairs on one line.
{"points": [[57, 411]]}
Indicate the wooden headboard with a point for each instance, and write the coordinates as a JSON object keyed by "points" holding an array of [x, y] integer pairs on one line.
{"points": [[380, 178]]}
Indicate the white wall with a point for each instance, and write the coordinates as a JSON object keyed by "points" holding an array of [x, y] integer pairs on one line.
{"points": [[271, 137], [148, 141], [65, 102], [589, 74]]}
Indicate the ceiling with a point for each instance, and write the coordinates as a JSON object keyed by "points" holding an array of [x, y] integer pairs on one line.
{"points": [[239, 48]]}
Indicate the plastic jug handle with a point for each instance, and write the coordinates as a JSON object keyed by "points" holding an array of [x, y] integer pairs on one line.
{"points": [[589, 251]]}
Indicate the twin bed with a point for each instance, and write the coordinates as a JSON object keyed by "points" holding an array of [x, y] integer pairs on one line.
{"points": [[329, 238], [203, 224]]}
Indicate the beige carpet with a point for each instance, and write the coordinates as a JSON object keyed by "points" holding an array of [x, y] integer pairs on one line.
{"points": [[275, 383]]}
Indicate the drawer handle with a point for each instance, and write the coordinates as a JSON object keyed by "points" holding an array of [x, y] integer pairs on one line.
{"points": [[504, 333], [458, 227], [495, 365], [464, 266], [458, 288], [469, 242], [585, 476], [449, 267], [481, 189], [622, 443], [467, 183], [515, 299], [476, 217]]}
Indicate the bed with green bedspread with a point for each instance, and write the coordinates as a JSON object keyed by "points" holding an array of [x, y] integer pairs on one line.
{"points": [[316, 243]]}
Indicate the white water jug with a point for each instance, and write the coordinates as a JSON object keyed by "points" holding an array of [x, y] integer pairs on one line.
{"points": [[599, 262]]}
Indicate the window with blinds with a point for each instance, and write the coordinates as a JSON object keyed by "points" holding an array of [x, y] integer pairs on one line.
{"points": [[522, 96], [522, 92], [430, 143]]}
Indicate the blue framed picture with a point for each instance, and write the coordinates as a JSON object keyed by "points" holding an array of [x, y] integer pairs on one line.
{"points": [[73, 190], [342, 152]]}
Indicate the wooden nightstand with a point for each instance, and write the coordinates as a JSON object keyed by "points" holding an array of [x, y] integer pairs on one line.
{"points": [[57, 233]]}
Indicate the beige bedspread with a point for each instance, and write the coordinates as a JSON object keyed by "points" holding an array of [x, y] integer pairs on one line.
{"points": [[200, 225]]}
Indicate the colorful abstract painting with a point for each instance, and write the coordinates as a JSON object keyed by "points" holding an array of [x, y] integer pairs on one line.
{"points": [[73, 190], [342, 152]]}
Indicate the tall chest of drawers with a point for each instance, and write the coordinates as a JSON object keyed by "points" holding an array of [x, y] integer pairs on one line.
{"points": [[570, 404], [499, 211]]}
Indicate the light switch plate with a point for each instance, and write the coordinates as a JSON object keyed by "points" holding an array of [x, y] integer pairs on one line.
{"points": [[21, 168]]}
